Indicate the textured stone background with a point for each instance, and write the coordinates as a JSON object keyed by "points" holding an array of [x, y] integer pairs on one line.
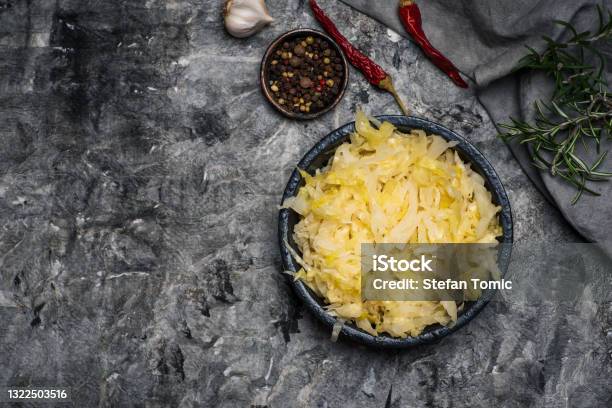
{"points": [[140, 174]]}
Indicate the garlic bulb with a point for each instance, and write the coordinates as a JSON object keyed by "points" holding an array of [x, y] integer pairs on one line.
{"points": [[246, 17]]}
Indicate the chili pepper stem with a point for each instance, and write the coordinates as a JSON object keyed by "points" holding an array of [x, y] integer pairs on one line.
{"points": [[371, 70], [387, 85]]}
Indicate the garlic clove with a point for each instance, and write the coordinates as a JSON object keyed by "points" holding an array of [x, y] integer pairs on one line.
{"points": [[244, 18]]}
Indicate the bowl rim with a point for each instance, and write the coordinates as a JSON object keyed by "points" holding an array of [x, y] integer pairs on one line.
{"points": [[263, 73], [349, 331]]}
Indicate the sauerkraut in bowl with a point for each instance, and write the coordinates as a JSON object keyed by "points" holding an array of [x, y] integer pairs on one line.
{"points": [[385, 186]]}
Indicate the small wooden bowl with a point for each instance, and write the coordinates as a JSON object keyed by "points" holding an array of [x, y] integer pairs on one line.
{"points": [[264, 74]]}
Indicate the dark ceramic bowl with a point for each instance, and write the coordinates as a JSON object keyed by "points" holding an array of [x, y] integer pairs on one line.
{"points": [[264, 74], [318, 157]]}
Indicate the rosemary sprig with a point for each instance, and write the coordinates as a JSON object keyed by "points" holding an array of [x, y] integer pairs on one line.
{"points": [[580, 111]]}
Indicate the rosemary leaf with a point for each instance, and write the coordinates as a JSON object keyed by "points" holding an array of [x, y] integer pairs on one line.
{"points": [[580, 111]]}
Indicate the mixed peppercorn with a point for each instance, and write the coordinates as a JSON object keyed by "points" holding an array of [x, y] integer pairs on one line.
{"points": [[305, 74]]}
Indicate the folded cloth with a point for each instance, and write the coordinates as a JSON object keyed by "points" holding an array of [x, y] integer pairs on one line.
{"points": [[485, 39]]}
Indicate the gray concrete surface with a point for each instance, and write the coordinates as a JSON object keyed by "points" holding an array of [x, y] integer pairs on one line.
{"points": [[140, 176]]}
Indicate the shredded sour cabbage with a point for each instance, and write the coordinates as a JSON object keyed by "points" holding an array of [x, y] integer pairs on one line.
{"points": [[386, 187]]}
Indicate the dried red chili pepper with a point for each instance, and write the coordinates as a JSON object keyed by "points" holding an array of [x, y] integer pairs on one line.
{"points": [[371, 70], [410, 14]]}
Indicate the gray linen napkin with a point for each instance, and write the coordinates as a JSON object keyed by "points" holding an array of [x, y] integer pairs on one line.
{"points": [[485, 39]]}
